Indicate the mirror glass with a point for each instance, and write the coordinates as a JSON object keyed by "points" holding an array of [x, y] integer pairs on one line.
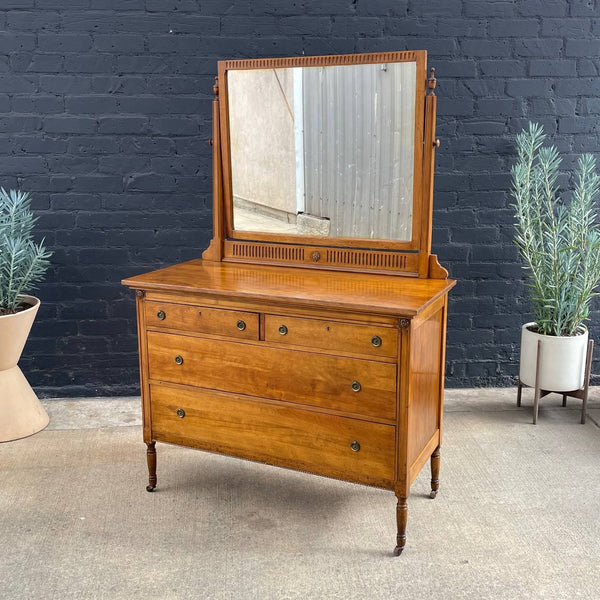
{"points": [[323, 151]]}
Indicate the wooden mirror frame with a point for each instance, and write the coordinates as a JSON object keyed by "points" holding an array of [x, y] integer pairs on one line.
{"points": [[408, 258]]}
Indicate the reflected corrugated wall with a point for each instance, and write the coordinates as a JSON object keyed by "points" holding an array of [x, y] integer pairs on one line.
{"points": [[359, 148]]}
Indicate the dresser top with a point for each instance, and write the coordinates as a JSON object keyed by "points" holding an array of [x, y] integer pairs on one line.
{"points": [[360, 292]]}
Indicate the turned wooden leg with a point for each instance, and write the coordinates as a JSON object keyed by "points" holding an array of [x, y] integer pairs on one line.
{"points": [[519, 390], [435, 473], [536, 398], [151, 456], [401, 518]]}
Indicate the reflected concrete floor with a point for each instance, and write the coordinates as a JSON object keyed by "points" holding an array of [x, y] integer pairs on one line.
{"points": [[516, 517], [250, 220]]}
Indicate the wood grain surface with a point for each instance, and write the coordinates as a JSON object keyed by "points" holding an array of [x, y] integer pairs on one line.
{"points": [[201, 319], [331, 335], [360, 292], [277, 373], [274, 434]]}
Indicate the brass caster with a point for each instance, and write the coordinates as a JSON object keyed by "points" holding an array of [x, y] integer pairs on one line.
{"points": [[150, 488], [433, 494], [398, 550]]}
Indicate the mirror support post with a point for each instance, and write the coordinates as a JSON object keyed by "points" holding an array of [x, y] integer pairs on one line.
{"points": [[430, 144], [215, 251]]}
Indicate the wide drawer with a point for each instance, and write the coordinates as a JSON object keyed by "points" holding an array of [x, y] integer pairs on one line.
{"points": [[286, 436], [200, 319], [362, 387], [332, 335]]}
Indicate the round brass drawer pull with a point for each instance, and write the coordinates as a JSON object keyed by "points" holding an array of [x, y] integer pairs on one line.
{"points": [[355, 446], [161, 314], [241, 325], [180, 413], [179, 359], [355, 386], [376, 341], [283, 330]]}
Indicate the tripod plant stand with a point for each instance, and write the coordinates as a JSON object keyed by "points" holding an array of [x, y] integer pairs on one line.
{"points": [[581, 394]]}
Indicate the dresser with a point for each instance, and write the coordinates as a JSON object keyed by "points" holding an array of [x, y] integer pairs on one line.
{"points": [[305, 352]]}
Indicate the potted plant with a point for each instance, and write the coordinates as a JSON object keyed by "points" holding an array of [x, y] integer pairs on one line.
{"points": [[23, 264], [560, 245]]}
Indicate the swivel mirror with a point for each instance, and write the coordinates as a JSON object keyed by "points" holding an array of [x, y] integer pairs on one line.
{"points": [[326, 161], [324, 151]]}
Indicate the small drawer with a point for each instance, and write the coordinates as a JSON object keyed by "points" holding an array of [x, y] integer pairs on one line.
{"points": [[287, 436], [372, 340], [350, 385], [199, 319]]}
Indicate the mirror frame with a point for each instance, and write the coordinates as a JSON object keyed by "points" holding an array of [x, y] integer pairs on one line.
{"points": [[409, 258]]}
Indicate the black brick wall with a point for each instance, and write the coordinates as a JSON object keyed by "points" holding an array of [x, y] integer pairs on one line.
{"points": [[105, 117]]}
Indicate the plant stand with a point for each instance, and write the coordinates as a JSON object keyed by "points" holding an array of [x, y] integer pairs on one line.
{"points": [[581, 394], [21, 413]]}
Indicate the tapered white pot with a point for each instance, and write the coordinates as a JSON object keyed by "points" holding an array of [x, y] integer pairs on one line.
{"points": [[21, 413], [562, 360]]}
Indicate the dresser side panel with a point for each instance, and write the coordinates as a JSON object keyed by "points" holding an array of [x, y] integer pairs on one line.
{"points": [[426, 370]]}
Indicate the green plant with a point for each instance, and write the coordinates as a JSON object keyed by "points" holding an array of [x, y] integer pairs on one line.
{"points": [[23, 263], [559, 242]]}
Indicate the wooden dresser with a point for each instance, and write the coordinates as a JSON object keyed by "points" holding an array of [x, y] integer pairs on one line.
{"points": [[283, 354]]}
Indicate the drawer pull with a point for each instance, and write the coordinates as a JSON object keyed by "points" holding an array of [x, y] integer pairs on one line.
{"points": [[355, 386], [241, 325], [376, 341], [283, 330], [179, 359], [161, 314], [355, 446], [181, 413]]}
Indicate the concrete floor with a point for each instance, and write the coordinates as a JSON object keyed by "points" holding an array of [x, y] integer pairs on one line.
{"points": [[517, 515]]}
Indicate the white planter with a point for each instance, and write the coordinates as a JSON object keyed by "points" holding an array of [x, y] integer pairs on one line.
{"points": [[563, 360], [21, 413]]}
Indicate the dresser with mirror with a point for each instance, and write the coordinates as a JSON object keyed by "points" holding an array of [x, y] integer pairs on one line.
{"points": [[311, 334]]}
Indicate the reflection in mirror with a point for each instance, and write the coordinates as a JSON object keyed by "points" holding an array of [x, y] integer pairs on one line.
{"points": [[324, 151]]}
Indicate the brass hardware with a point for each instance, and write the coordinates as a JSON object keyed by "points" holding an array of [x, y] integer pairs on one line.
{"points": [[404, 323], [283, 329], [316, 256], [179, 359], [355, 446], [161, 315], [140, 293], [180, 413], [356, 387], [376, 341], [241, 325], [436, 143]]}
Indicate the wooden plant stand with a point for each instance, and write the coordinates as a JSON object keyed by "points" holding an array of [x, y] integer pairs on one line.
{"points": [[581, 394]]}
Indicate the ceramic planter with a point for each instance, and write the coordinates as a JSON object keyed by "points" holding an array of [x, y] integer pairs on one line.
{"points": [[21, 413], [563, 360]]}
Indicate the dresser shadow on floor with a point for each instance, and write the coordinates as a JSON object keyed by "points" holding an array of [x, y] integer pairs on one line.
{"points": [[255, 484]]}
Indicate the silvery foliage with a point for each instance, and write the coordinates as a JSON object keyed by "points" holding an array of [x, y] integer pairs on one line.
{"points": [[23, 263], [559, 243]]}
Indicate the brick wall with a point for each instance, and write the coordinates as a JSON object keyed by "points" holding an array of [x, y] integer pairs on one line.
{"points": [[105, 117]]}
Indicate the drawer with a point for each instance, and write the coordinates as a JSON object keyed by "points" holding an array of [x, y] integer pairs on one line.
{"points": [[199, 319], [353, 385], [332, 335], [287, 436]]}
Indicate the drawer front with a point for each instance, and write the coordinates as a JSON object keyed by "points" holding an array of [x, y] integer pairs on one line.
{"points": [[332, 335], [199, 319], [353, 385], [326, 444]]}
